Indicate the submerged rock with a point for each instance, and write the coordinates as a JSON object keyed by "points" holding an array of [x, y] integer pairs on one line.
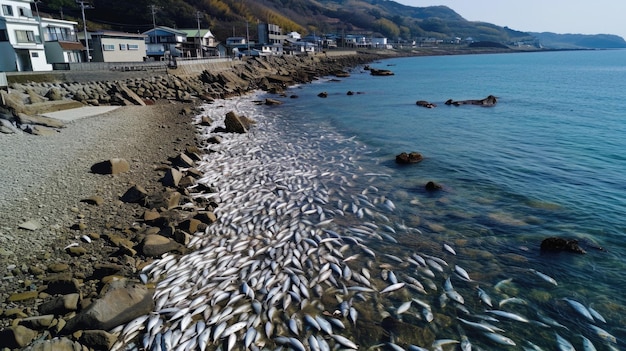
{"points": [[487, 102], [556, 244], [413, 157], [432, 186]]}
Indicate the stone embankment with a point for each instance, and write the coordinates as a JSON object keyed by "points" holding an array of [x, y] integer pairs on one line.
{"points": [[25, 101], [76, 294]]}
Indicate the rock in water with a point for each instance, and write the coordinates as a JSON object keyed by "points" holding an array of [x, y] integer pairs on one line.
{"points": [[556, 244], [413, 157], [432, 186], [236, 124]]}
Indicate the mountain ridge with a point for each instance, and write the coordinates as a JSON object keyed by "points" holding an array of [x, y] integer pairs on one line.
{"points": [[386, 18]]}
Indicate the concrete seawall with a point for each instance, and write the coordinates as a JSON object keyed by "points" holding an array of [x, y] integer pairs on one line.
{"points": [[38, 94]]}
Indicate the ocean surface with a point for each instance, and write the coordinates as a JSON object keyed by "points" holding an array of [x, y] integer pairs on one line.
{"points": [[548, 160]]}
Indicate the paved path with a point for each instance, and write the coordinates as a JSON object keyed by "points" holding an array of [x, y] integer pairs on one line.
{"points": [[78, 113]]}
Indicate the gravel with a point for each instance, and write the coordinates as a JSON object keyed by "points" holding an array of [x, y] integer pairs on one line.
{"points": [[44, 179]]}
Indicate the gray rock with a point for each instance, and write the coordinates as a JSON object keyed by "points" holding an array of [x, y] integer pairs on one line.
{"points": [[156, 245], [60, 305], [235, 124], [16, 337], [54, 94], [62, 285], [129, 95], [30, 225], [122, 302], [172, 177], [135, 194], [56, 344], [112, 166], [98, 339], [39, 120], [38, 322]]}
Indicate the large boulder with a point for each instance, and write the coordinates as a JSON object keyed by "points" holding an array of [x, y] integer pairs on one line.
{"points": [[122, 302], [237, 124], [156, 245]]}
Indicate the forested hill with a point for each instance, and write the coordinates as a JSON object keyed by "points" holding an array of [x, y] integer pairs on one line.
{"points": [[229, 17]]}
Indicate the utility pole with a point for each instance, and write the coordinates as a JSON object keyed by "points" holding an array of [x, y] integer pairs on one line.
{"points": [[248, 37], [153, 11], [199, 53], [82, 9], [37, 9]]}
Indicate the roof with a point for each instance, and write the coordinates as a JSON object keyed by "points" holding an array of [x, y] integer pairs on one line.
{"points": [[108, 33], [71, 45], [193, 33], [167, 29]]}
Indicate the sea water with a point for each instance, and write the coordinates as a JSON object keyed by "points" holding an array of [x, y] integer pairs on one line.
{"points": [[315, 182], [548, 160]]}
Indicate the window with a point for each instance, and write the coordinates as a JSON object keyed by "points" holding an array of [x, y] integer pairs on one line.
{"points": [[25, 12], [25, 36], [123, 47], [7, 10], [34, 54], [108, 47], [133, 47], [4, 35]]}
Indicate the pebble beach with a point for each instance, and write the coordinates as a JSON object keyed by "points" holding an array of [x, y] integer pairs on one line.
{"points": [[62, 222]]}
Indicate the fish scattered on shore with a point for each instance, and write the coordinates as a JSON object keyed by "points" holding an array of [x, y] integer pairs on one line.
{"points": [[304, 252]]}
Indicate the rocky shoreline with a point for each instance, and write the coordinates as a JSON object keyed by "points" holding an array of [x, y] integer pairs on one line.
{"points": [[88, 204]]}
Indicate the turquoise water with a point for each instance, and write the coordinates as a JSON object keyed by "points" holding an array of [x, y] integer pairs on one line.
{"points": [[548, 160]]}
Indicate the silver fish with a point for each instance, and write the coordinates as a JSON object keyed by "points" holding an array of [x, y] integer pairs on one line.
{"points": [[580, 308], [500, 339], [563, 344]]}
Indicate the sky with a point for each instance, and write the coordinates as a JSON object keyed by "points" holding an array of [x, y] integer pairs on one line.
{"points": [[558, 16]]}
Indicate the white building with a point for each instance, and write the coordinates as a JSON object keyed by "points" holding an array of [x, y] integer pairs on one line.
{"points": [[110, 46], [294, 35], [60, 41], [21, 45]]}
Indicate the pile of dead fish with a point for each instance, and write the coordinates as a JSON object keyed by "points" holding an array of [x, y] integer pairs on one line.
{"points": [[308, 254]]}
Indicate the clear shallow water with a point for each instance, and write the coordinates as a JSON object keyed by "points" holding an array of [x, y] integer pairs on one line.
{"points": [[548, 160], [314, 212]]}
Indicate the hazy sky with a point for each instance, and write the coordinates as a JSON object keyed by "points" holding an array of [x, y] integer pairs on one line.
{"points": [[559, 16]]}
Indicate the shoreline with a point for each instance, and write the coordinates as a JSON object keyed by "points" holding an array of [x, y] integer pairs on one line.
{"points": [[84, 244]]}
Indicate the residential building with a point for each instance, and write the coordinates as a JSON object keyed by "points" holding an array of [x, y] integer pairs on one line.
{"points": [[237, 45], [272, 49], [60, 41], [270, 34], [233, 41], [294, 35], [164, 41], [300, 47], [21, 45], [379, 43], [110, 46], [202, 43]]}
